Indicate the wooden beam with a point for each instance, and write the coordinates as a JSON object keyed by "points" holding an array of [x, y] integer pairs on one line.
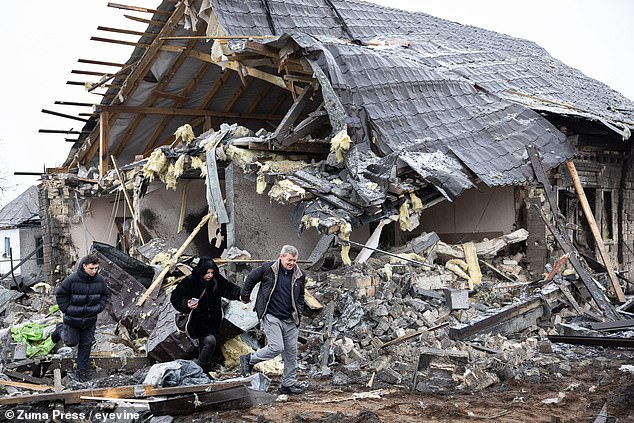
{"points": [[103, 143], [256, 73], [92, 73], [100, 62], [587, 211], [145, 21], [219, 37], [50, 112], [25, 385], [150, 101], [125, 31], [83, 84], [73, 103], [164, 94], [113, 41], [23, 377], [157, 282], [566, 245], [127, 199], [138, 9], [284, 128], [180, 112], [191, 84], [140, 70], [60, 131], [129, 391]]}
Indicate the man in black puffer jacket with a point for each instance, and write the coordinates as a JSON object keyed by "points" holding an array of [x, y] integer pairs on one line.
{"points": [[81, 297]]}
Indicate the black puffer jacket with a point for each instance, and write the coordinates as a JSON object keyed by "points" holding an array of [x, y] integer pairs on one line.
{"points": [[82, 297], [206, 318], [266, 275]]}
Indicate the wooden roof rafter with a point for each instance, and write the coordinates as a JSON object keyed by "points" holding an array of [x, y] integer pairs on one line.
{"points": [[131, 82], [162, 85], [185, 93]]}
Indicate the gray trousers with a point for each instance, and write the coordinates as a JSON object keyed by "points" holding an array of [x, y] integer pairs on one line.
{"points": [[281, 338]]}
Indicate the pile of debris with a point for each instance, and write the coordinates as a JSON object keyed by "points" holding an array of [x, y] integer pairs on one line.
{"points": [[423, 317]]}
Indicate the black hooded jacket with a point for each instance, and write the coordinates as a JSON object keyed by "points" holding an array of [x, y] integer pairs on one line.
{"points": [[206, 318], [82, 297]]}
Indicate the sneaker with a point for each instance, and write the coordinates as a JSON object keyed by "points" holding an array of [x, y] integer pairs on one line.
{"points": [[65, 351], [291, 390], [245, 365]]}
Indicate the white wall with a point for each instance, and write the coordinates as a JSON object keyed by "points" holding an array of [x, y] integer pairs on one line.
{"points": [[14, 236], [159, 212], [476, 213], [27, 246]]}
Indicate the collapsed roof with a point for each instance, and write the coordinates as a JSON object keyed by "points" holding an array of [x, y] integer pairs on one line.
{"points": [[22, 210], [427, 101]]}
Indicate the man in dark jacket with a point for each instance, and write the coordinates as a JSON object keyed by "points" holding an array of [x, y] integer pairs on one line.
{"points": [[200, 294], [81, 297], [279, 304]]}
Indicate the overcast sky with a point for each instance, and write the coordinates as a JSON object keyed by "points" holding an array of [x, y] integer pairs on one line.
{"points": [[43, 40]]}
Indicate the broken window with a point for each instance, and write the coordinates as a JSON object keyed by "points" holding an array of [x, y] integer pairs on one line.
{"points": [[607, 231], [39, 255]]}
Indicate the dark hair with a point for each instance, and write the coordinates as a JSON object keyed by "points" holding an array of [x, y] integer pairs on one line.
{"points": [[90, 259], [203, 265]]}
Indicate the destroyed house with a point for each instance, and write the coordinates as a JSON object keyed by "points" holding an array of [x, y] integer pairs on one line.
{"points": [[323, 117], [22, 257]]}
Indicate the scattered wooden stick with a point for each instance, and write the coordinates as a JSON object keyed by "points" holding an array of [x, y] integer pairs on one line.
{"points": [[159, 278], [127, 198], [25, 385]]}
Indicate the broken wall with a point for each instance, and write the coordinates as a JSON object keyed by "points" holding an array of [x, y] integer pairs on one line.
{"points": [[160, 210], [258, 225], [601, 164], [56, 203], [476, 214]]}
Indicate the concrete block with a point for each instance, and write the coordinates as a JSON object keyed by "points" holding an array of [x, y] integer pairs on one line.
{"points": [[457, 299]]}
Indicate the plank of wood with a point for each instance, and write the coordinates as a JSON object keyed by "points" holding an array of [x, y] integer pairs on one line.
{"points": [[119, 400], [622, 324], [166, 269], [23, 377], [125, 191], [311, 301], [24, 385], [598, 239], [128, 391], [562, 239]]}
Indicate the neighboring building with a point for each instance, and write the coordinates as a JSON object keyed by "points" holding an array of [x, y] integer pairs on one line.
{"points": [[431, 121], [21, 237]]}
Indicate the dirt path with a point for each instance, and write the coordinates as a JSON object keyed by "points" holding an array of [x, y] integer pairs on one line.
{"points": [[581, 394]]}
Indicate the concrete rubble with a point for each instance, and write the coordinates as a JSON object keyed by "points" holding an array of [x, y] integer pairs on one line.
{"points": [[384, 323]]}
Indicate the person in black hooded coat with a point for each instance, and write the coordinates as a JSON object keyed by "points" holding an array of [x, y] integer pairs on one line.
{"points": [[200, 293], [81, 297]]}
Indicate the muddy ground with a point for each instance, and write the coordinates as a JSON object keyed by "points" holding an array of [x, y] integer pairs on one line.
{"points": [[581, 393]]}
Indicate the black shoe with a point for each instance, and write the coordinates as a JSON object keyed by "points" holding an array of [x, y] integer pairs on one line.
{"points": [[56, 336], [245, 365], [82, 376], [291, 390]]}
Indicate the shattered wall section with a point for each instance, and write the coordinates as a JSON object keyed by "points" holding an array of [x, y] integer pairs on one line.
{"points": [[56, 203], [485, 212], [259, 225]]}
